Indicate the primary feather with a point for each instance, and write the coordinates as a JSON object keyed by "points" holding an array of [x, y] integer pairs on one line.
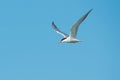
{"points": [[58, 31], [73, 31]]}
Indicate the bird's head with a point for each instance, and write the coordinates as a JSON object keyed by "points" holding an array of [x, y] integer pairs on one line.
{"points": [[62, 40]]}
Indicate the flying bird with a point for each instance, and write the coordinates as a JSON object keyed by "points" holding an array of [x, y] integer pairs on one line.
{"points": [[71, 38]]}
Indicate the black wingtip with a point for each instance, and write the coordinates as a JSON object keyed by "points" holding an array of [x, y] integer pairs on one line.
{"points": [[52, 22], [89, 11]]}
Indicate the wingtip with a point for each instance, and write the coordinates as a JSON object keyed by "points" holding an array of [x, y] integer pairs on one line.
{"points": [[90, 11], [52, 22]]}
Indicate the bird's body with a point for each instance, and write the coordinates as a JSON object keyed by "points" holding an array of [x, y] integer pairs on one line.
{"points": [[70, 40], [73, 31]]}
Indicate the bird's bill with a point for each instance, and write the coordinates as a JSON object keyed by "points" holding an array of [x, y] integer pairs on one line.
{"points": [[59, 42]]}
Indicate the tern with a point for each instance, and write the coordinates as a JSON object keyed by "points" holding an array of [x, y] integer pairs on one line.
{"points": [[71, 38]]}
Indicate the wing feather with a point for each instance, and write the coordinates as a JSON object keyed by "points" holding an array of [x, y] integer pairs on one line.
{"points": [[73, 31], [58, 31]]}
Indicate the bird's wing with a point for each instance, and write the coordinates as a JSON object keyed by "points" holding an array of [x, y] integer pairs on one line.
{"points": [[58, 31], [73, 31]]}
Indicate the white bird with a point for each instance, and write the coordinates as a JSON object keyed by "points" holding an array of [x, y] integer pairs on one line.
{"points": [[73, 31]]}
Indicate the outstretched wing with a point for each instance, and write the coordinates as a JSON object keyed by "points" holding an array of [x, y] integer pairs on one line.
{"points": [[58, 31], [73, 31]]}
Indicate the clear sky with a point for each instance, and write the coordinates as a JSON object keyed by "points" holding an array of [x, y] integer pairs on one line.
{"points": [[29, 48]]}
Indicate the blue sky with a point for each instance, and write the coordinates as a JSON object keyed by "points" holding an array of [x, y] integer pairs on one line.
{"points": [[29, 48]]}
